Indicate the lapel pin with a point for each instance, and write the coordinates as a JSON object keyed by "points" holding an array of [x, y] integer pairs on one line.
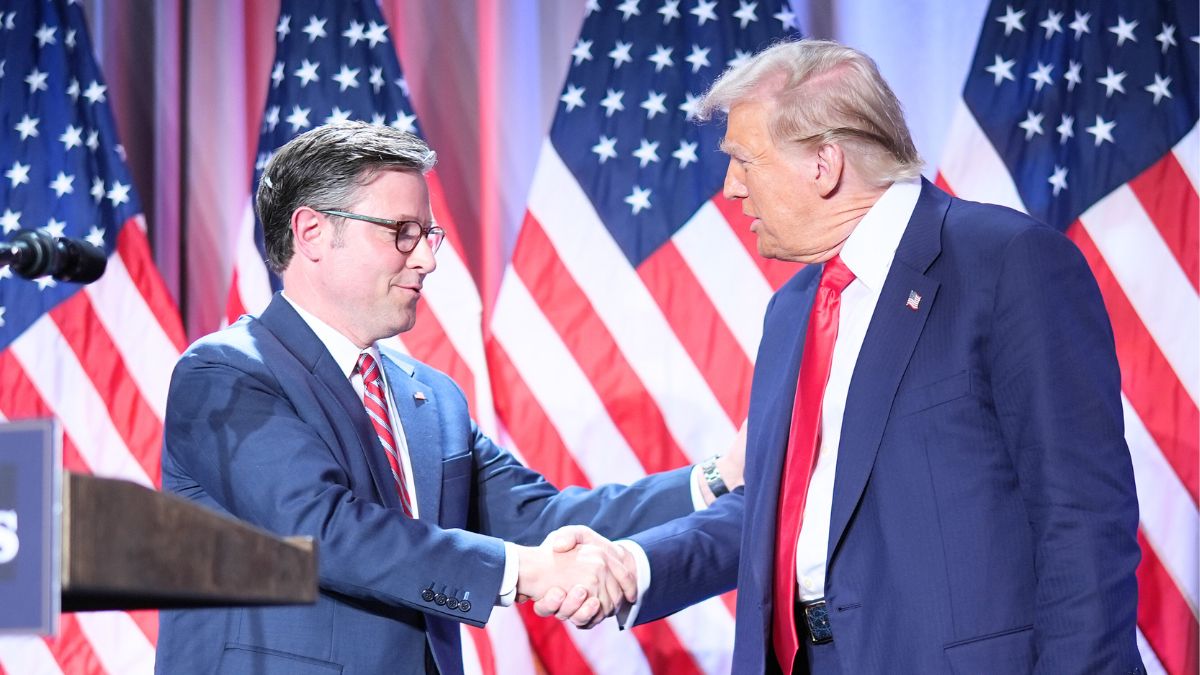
{"points": [[419, 395], [914, 301]]}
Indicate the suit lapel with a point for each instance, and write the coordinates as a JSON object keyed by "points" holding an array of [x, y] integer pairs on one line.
{"points": [[887, 348], [295, 335], [417, 409]]}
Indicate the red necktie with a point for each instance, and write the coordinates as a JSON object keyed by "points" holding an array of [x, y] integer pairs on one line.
{"points": [[802, 451], [375, 401]]}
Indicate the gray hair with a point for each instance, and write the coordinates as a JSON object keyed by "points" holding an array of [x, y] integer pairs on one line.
{"points": [[323, 168], [824, 92]]}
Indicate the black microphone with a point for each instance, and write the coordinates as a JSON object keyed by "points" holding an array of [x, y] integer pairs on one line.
{"points": [[33, 253]]}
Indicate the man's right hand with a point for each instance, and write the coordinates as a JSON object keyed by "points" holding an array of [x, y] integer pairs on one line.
{"points": [[598, 573]]}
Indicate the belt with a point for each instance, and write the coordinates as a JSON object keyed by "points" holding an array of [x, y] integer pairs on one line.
{"points": [[815, 617]]}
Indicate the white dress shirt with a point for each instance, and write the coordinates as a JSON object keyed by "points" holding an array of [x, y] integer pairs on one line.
{"points": [[868, 252]]}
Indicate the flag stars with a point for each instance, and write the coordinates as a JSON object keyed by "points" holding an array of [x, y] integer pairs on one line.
{"points": [[746, 12], [376, 33], [347, 77], [95, 92], [277, 74], [1123, 30], [27, 127], [4, 274], [689, 105], [378, 119], [1080, 25], [639, 199], [669, 11], [1159, 88], [1065, 128], [36, 80], [1167, 37], [45, 282], [573, 97], [10, 21], [1011, 20], [592, 6], [97, 190], [740, 57], [703, 11], [1102, 130], [376, 79], [355, 33], [661, 58], [647, 152], [73, 90], [299, 118], [118, 194], [629, 8], [284, 27], [1058, 179], [307, 73], [337, 115], [698, 58], [18, 174], [63, 184], [606, 149], [1112, 82], [271, 118], [93, 140], [1041, 75], [403, 122], [1032, 124], [2, 62], [10, 221], [612, 102], [1072, 75], [95, 237], [45, 35], [1002, 70], [786, 19], [70, 39], [72, 137], [686, 154], [1052, 23], [654, 104], [315, 29], [620, 54], [55, 228], [582, 51]]}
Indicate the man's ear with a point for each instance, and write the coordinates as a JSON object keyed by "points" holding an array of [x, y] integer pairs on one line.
{"points": [[309, 233], [831, 163]]}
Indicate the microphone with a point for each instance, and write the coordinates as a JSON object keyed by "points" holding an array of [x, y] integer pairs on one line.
{"points": [[32, 254]]}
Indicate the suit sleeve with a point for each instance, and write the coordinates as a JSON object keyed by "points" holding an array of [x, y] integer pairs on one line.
{"points": [[1057, 393], [234, 443]]}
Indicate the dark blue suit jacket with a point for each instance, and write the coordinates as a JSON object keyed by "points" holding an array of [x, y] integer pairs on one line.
{"points": [[262, 425], [984, 515]]}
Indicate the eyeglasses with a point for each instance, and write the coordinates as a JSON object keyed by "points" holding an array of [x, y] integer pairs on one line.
{"points": [[408, 232]]}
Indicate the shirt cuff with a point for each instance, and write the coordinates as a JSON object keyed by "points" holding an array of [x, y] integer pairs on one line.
{"points": [[697, 496], [508, 583], [627, 614]]}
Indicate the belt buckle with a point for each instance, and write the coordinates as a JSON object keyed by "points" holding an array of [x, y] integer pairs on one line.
{"points": [[816, 615]]}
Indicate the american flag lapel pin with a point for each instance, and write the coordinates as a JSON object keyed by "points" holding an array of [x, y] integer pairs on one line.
{"points": [[914, 301], [419, 395]]}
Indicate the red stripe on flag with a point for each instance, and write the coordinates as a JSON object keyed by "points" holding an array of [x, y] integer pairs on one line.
{"points": [[664, 652], [135, 254], [1164, 616], [554, 648], [72, 650], [483, 648], [700, 328], [428, 343], [234, 307], [527, 423], [777, 272], [632, 409], [19, 399], [147, 622], [131, 416], [1147, 379], [730, 601], [1169, 198]]}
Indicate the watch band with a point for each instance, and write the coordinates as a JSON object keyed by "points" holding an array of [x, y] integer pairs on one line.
{"points": [[713, 477]]}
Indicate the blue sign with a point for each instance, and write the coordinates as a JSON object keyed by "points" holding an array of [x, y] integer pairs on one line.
{"points": [[30, 508]]}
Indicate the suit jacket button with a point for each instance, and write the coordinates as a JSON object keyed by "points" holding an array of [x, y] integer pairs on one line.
{"points": [[452, 602], [440, 598], [464, 606], [427, 595]]}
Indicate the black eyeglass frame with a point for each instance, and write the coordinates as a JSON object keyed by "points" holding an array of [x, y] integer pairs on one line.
{"points": [[431, 233]]}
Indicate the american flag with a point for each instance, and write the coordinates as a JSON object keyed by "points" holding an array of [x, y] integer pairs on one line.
{"points": [[97, 357], [1084, 115], [626, 323], [335, 60]]}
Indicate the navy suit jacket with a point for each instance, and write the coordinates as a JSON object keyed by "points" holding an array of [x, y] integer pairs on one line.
{"points": [[262, 425], [984, 515]]}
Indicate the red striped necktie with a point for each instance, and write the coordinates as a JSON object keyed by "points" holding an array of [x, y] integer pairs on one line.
{"points": [[815, 365], [375, 401]]}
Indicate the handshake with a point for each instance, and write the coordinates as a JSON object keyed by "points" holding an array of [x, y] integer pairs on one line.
{"points": [[577, 575]]}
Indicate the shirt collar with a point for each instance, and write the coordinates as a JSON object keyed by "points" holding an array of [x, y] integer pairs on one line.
{"points": [[343, 350], [870, 248]]}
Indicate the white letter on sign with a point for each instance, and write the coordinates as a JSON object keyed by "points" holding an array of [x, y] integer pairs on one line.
{"points": [[9, 544]]}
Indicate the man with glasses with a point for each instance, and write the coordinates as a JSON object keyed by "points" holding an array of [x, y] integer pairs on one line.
{"points": [[300, 422]]}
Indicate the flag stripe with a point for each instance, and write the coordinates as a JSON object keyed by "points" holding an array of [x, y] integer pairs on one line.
{"points": [[141, 428], [117, 641], [147, 622], [554, 649], [631, 408], [664, 652], [1167, 622], [27, 656], [776, 272], [1153, 389], [72, 650], [428, 339], [19, 400], [1170, 200], [706, 630], [134, 252], [973, 169], [1187, 153]]}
